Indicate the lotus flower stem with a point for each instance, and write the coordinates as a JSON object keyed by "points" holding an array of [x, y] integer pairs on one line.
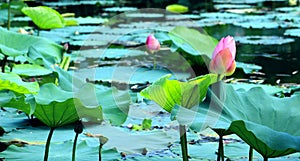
{"points": [[8, 14], [250, 154], [3, 62], [48, 143], [183, 142], [74, 147], [221, 149], [154, 63]]}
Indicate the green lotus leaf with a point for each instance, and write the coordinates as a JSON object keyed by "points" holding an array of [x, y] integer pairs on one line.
{"points": [[44, 17], [12, 81], [14, 44], [56, 107], [192, 41], [30, 70], [268, 124], [114, 103], [167, 93]]}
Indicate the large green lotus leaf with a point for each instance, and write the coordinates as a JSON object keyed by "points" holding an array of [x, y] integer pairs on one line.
{"points": [[114, 103], [56, 107], [192, 41], [269, 124], [44, 17], [12, 81], [30, 70], [167, 93], [14, 44]]}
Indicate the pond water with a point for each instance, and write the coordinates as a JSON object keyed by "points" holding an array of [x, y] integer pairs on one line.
{"points": [[109, 40], [262, 29]]}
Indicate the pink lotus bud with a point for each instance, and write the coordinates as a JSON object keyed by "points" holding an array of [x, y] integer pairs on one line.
{"points": [[66, 46], [152, 44], [223, 57]]}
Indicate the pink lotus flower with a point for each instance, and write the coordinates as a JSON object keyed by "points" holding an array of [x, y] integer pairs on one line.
{"points": [[223, 57], [152, 44]]}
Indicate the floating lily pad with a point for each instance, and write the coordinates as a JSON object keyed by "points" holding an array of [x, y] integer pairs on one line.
{"points": [[75, 3], [258, 24], [105, 54], [144, 15], [26, 19], [185, 16], [248, 68], [231, 6], [88, 20], [120, 9], [59, 151], [122, 140], [263, 40], [292, 32], [220, 15], [128, 75]]}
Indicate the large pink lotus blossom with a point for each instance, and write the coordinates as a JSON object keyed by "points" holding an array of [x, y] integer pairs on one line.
{"points": [[152, 44], [222, 61]]}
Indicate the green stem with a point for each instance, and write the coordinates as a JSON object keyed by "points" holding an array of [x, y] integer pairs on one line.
{"points": [[3, 63], [266, 158], [183, 142], [38, 32], [221, 149], [251, 154], [48, 143], [100, 151], [8, 15], [154, 63], [74, 147]]}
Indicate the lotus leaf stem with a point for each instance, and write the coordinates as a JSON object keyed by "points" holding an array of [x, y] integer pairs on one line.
{"points": [[100, 151], [221, 149], [48, 143], [3, 63], [8, 14], [250, 154], [183, 142], [74, 147]]}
